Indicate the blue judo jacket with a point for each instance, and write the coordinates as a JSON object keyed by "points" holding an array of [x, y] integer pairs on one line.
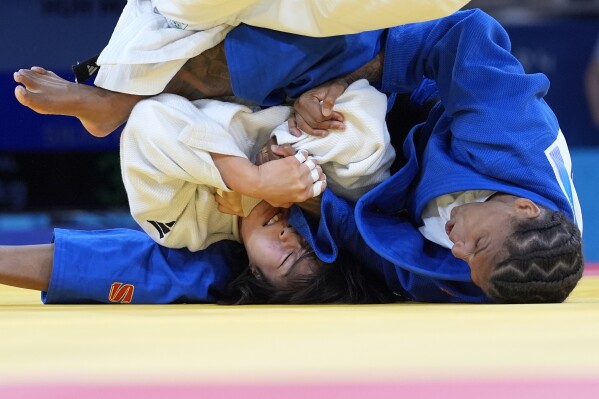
{"points": [[491, 130]]}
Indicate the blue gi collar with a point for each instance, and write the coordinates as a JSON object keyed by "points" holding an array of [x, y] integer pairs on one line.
{"points": [[315, 232]]}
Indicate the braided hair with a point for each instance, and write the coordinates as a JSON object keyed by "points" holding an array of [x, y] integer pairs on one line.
{"points": [[544, 261]]}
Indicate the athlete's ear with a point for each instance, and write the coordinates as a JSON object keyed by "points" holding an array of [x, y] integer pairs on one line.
{"points": [[526, 208], [255, 272]]}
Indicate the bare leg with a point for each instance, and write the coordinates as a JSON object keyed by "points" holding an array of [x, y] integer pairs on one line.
{"points": [[101, 111], [26, 266], [204, 76]]}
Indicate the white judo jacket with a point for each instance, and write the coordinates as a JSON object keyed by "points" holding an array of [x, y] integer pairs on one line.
{"points": [[171, 179]]}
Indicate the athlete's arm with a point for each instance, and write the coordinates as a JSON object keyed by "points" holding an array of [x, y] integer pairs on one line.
{"points": [[281, 182], [27, 266]]}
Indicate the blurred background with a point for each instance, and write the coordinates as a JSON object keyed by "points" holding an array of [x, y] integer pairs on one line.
{"points": [[54, 174]]}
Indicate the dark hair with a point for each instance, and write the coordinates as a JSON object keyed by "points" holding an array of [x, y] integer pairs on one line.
{"points": [[344, 281], [544, 261]]}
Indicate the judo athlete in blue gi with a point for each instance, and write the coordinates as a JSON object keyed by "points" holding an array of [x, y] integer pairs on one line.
{"points": [[491, 143], [486, 194]]}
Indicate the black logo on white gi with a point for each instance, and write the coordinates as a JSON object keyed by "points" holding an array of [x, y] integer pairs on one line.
{"points": [[92, 69], [163, 228]]}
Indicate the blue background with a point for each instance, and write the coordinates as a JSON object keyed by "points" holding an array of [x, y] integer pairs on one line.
{"points": [[57, 33]]}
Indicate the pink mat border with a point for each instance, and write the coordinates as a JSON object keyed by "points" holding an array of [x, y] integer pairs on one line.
{"points": [[530, 389], [591, 269]]}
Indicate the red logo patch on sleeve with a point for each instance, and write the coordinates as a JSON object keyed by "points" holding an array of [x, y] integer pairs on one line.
{"points": [[121, 293]]}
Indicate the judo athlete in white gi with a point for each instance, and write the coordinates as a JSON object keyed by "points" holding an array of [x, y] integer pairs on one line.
{"points": [[154, 38], [167, 150]]}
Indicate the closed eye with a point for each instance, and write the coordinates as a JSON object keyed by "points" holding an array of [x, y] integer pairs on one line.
{"points": [[301, 255], [287, 257], [481, 244]]}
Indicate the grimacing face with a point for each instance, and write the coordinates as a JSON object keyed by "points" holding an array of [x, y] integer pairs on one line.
{"points": [[274, 247], [479, 231]]}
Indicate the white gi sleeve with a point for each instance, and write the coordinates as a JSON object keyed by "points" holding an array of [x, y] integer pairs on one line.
{"points": [[340, 17], [308, 17], [358, 158], [146, 50], [169, 184], [168, 171]]}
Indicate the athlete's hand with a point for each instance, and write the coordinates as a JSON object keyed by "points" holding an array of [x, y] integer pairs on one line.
{"points": [[272, 151], [314, 110], [229, 202], [291, 179], [267, 154]]}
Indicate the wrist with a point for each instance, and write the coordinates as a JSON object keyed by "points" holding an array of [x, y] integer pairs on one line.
{"points": [[238, 173], [247, 181]]}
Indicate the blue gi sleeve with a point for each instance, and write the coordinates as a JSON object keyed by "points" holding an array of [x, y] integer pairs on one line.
{"points": [[267, 66], [126, 266]]}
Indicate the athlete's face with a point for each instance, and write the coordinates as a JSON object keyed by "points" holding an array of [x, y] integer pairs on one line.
{"points": [[479, 231], [273, 246]]}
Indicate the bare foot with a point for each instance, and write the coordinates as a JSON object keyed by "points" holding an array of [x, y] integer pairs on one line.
{"points": [[100, 111]]}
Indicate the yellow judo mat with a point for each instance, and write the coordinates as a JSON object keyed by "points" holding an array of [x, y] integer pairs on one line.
{"points": [[174, 345]]}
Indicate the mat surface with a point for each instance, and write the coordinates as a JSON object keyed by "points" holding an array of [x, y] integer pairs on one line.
{"points": [[346, 352]]}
